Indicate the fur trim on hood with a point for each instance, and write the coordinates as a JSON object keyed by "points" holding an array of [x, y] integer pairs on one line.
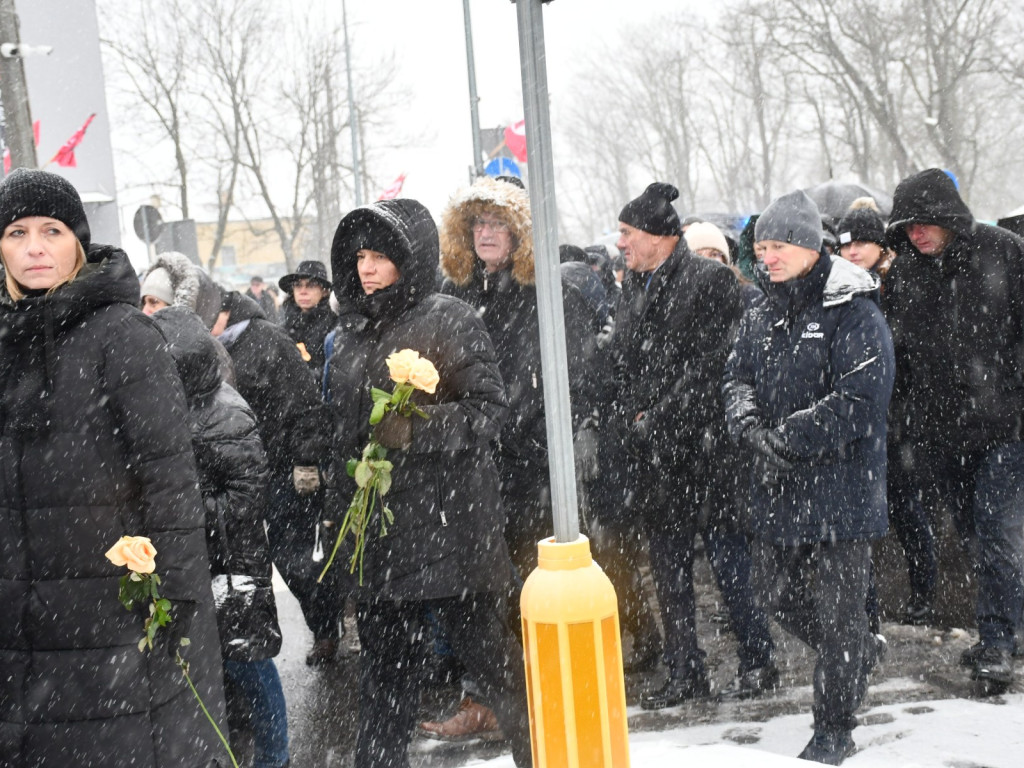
{"points": [[458, 258], [192, 287]]}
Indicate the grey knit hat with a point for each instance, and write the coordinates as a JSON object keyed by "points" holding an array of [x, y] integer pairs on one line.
{"points": [[28, 192], [792, 218], [158, 285]]}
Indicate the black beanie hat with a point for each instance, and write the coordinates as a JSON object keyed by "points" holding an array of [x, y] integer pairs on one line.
{"points": [[861, 224], [39, 193], [652, 211]]}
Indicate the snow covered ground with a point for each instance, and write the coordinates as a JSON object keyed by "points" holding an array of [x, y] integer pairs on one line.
{"points": [[947, 733]]}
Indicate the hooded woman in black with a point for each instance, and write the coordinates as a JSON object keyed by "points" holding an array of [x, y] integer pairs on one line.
{"points": [[94, 445], [444, 551]]}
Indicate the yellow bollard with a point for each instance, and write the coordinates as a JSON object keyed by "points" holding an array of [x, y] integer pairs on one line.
{"points": [[575, 688]]}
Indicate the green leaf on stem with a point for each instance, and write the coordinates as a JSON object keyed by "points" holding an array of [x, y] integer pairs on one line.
{"points": [[379, 409], [363, 474], [350, 467]]}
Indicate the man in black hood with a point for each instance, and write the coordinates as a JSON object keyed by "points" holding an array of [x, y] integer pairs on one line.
{"points": [[954, 298]]}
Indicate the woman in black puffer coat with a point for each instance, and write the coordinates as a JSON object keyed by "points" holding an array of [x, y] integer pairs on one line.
{"points": [[444, 551], [94, 445], [233, 477]]}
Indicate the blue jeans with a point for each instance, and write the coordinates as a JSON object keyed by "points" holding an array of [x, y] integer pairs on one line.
{"points": [[986, 492], [260, 684]]}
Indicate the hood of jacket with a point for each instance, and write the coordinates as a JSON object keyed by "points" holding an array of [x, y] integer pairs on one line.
{"points": [[193, 288], [193, 349], [928, 197], [458, 257], [405, 232]]}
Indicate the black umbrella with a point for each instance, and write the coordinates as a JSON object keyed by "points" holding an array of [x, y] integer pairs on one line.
{"points": [[833, 198]]}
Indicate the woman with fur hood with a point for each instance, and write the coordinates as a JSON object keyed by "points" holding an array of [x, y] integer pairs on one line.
{"points": [[487, 259]]}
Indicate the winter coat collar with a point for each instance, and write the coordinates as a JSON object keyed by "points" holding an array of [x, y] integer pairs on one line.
{"points": [[30, 328], [832, 280], [458, 257]]}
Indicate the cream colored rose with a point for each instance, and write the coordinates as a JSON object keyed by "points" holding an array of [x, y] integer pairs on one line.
{"points": [[135, 552], [400, 364], [424, 375]]}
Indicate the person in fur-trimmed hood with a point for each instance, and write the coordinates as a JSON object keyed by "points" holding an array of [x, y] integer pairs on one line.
{"points": [[173, 280], [953, 298], [487, 257]]}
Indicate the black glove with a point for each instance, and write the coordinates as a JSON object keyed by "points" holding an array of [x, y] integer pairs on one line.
{"points": [[769, 449], [394, 431]]}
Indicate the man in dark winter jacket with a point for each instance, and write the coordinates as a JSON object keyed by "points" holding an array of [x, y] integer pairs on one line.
{"points": [[285, 396], [807, 387], [676, 319], [954, 298], [487, 256], [258, 292], [307, 313]]}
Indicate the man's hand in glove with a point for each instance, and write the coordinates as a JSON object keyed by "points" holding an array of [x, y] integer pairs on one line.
{"points": [[394, 431], [306, 480], [770, 462]]}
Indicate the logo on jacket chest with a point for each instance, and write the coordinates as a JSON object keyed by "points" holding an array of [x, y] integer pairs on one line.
{"points": [[813, 331]]}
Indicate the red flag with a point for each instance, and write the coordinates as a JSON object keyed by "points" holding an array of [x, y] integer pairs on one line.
{"points": [[65, 156], [515, 140], [394, 190], [7, 151]]}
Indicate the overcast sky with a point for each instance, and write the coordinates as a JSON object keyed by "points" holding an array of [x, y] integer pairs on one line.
{"points": [[428, 37]]}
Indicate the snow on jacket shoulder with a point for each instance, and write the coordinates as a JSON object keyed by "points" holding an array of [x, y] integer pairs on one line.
{"points": [[814, 360]]}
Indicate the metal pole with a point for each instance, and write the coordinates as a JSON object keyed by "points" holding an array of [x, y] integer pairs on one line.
{"points": [[474, 115], [549, 281], [357, 181], [14, 93]]}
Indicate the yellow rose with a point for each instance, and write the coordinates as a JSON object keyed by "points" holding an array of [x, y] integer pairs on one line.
{"points": [[400, 364], [424, 375], [136, 552]]}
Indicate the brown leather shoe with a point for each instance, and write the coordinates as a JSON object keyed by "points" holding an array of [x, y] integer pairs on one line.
{"points": [[472, 721], [322, 652]]}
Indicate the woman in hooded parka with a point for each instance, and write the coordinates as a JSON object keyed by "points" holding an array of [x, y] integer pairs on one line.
{"points": [[94, 445], [445, 551]]}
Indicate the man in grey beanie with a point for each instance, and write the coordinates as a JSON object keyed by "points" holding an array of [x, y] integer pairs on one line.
{"points": [[807, 389]]}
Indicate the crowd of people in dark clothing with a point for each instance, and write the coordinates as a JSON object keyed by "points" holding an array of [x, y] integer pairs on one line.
{"points": [[785, 395]]}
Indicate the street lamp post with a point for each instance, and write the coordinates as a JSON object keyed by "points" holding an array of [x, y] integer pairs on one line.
{"points": [[18, 133], [474, 113], [571, 637]]}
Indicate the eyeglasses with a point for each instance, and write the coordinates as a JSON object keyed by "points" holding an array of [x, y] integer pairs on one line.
{"points": [[495, 225]]}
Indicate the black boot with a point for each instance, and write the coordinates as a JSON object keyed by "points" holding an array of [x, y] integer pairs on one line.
{"points": [[993, 665], [753, 683], [828, 747], [675, 691]]}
